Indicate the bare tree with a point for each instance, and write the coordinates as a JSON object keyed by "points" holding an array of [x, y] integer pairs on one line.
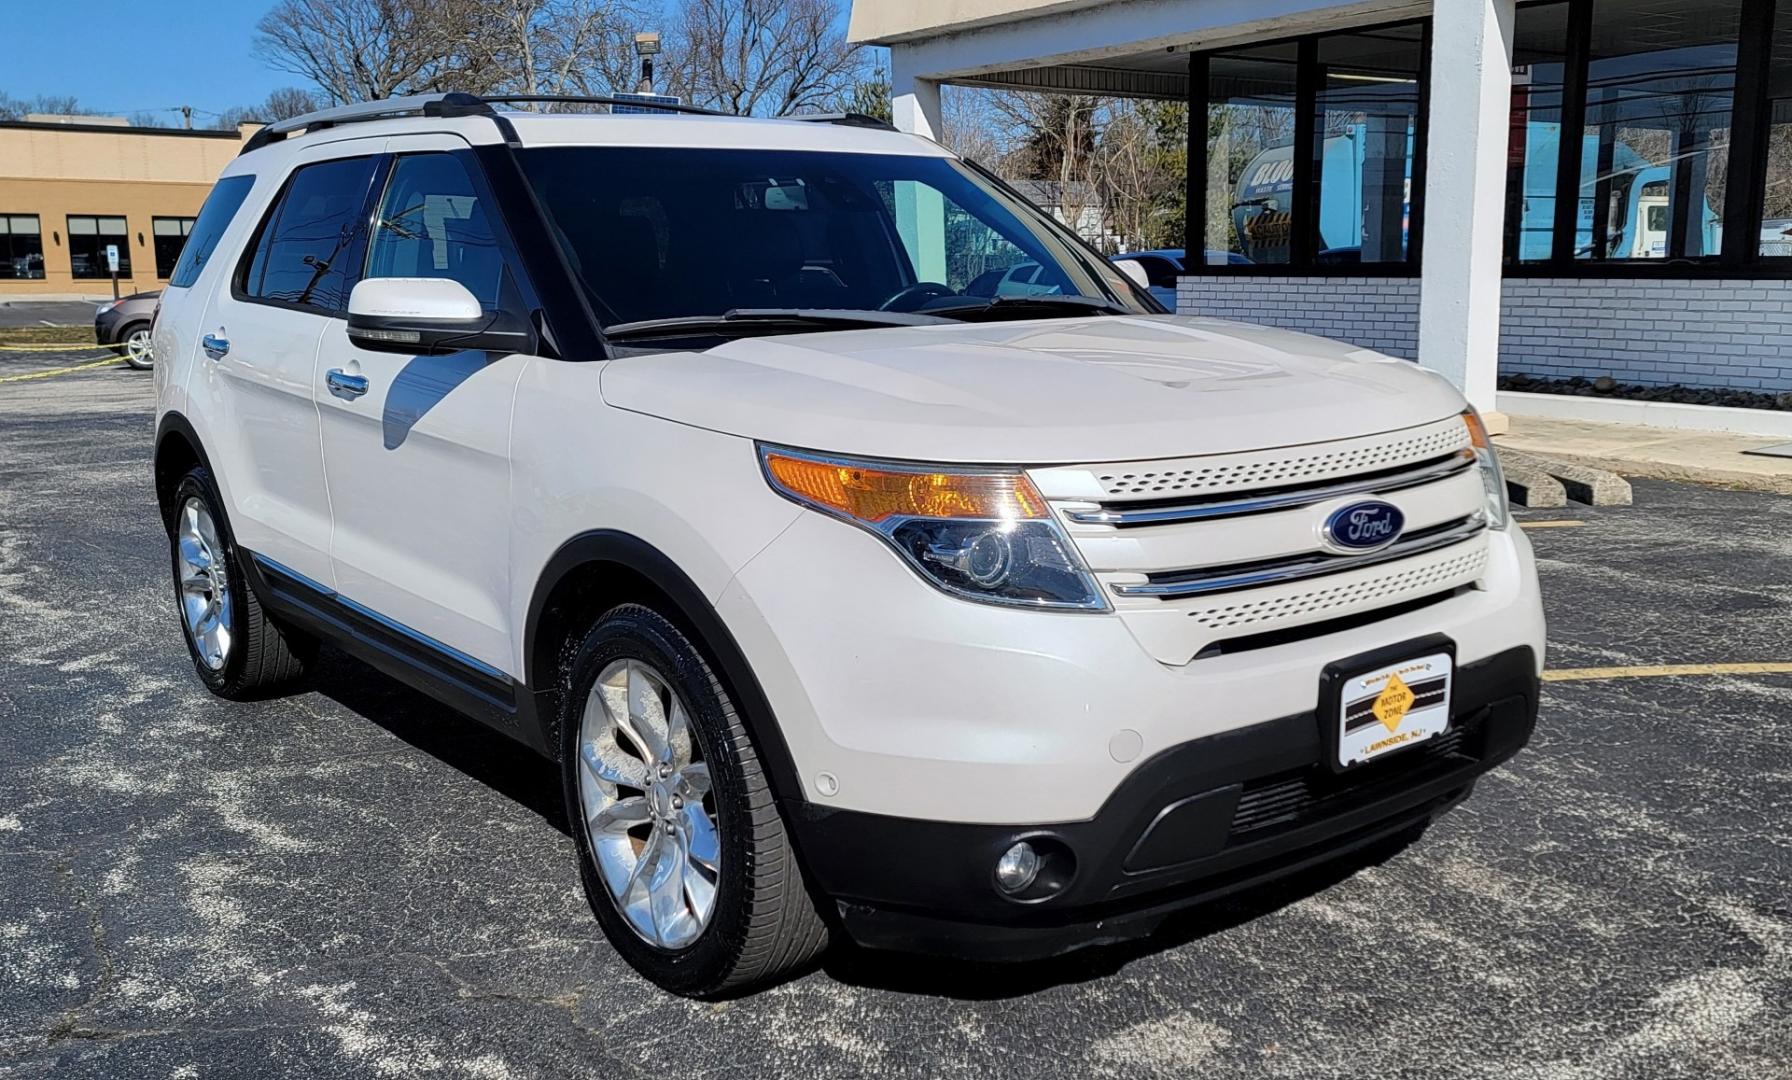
{"points": [[286, 103], [360, 50], [762, 57], [1055, 139], [550, 46], [12, 108], [970, 127]]}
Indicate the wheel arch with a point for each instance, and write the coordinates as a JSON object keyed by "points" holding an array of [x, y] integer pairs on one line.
{"points": [[178, 449], [597, 570]]}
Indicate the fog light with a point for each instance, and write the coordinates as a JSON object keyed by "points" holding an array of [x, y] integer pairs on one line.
{"points": [[1017, 867]]}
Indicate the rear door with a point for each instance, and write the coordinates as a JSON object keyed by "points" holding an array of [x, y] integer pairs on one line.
{"points": [[258, 360], [418, 462]]}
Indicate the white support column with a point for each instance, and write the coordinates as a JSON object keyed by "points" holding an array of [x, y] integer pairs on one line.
{"points": [[1465, 194], [914, 101], [920, 211]]}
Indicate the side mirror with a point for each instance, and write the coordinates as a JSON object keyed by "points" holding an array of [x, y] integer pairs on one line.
{"points": [[1132, 269], [430, 316]]}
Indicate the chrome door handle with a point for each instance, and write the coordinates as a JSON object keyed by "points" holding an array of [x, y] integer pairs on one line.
{"points": [[215, 347], [345, 386]]}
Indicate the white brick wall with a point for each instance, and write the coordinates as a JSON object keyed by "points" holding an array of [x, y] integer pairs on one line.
{"points": [[1701, 333], [1375, 313]]}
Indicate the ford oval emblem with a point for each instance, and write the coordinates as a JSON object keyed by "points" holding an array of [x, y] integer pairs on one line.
{"points": [[1363, 526]]}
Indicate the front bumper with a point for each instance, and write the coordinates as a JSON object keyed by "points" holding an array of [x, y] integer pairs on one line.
{"points": [[1197, 821], [106, 325]]}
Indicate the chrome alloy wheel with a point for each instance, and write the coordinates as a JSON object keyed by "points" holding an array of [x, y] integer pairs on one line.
{"points": [[649, 814], [204, 584], [137, 350]]}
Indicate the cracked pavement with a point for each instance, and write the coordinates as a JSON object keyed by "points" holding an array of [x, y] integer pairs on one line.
{"points": [[354, 882]]}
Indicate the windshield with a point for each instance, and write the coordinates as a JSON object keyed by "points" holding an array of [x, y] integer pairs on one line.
{"points": [[658, 233]]}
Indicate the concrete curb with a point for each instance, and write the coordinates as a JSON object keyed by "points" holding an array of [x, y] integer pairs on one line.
{"points": [[1685, 474], [1575, 478], [1528, 483]]}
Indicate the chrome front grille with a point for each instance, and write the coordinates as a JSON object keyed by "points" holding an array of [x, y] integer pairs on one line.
{"points": [[1326, 599], [1215, 547], [1231, 577], [1275, 468]]}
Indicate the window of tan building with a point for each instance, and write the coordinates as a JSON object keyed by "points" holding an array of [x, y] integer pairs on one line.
{"points": [[21, 247], [170, 236], [87, 239]]}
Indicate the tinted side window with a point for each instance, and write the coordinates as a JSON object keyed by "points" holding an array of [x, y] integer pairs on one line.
{"points": [[215, 216], [432, 224], [310, 238]]}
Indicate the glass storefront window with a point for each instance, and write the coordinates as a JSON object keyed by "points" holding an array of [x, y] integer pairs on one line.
{"points": [[1660, 81], [21, 247], [88, 238], [1539, 58], [170, 235], [1776, 208], [1250, 156], [1367, 124]]}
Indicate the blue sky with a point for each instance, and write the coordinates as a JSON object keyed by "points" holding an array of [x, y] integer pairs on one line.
{"points": [[120, 57]]}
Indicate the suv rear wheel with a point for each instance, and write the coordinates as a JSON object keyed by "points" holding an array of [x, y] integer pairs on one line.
{"points": [[238, 651], [684, 858]]}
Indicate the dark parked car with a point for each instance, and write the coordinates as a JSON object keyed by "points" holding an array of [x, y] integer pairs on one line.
{"points": [[124, 325]]}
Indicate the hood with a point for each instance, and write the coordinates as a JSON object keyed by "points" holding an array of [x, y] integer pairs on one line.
{"points": [[1060, 391]]}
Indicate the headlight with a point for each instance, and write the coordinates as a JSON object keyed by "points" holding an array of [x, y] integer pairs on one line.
{"points": [[1498, 510], [979, 533]]}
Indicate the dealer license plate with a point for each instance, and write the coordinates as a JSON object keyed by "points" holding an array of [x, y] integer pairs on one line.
{"points": [[1393, 707]]}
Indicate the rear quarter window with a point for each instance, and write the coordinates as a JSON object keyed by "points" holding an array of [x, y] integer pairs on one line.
{"points": [[215, 216]]}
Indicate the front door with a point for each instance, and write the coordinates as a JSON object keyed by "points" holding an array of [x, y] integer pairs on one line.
{"points": [[418, 460]]}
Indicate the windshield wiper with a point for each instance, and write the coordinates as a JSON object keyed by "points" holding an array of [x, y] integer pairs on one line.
{"points": [[961, 307], [767, 320]]}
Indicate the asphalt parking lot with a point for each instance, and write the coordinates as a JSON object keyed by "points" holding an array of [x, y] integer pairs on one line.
{"points": [[353, 882], [45, 312]]}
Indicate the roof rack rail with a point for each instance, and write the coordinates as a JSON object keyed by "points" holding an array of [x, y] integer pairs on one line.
{"points": [[849, 119], [450, 103], [600, 99]]}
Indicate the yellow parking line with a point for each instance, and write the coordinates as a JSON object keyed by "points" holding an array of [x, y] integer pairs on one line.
{"points": [[1663, 671], [50, 346], [59, 371], [1551, 524]]}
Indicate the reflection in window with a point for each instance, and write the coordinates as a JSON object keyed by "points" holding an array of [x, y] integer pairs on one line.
{"points": [[305, 246], [431, 224], [1250, 155], [1776, 215], [1367, 121], [1539, 55], [1659, 86], [21, 247], [170, 236], [88, 238]]}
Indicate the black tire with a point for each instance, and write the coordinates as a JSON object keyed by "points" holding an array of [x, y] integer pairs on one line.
{"points": [[764, 925], [264, 657]]}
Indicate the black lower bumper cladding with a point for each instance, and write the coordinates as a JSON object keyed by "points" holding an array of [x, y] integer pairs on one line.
{"points": [[1195, 822]]}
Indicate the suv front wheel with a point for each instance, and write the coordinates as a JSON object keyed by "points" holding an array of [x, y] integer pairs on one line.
{"points": [[684, 858]]}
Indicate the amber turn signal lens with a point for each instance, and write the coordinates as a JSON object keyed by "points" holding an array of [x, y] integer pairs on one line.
{"points": [[875, 495], [1477, 431]]}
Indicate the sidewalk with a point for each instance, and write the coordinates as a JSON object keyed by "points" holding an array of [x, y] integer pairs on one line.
{"points": [[1659, 453]]}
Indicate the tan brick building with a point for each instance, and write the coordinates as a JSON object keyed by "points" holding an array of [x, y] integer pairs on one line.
{"points": [[69, 187]]}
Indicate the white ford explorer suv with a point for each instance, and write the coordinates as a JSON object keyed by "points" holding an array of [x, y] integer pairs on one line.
{"points": [[852, 591]]}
